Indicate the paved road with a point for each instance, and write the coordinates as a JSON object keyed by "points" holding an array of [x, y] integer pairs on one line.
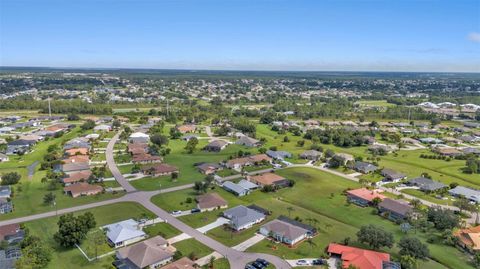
{"points": [[113, 167]]}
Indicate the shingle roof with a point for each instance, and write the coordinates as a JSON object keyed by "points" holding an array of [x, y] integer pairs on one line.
{"points": [[123, 230], [285, 229], [242, 215], [148, 252], [397, 206], [426, 184], [210, 200]]}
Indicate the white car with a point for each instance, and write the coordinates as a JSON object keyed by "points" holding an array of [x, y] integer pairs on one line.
{"points": [[302, 262], [176, 212]]}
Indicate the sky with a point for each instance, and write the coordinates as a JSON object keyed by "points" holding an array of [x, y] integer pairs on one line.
{"points": [[294, 35]]}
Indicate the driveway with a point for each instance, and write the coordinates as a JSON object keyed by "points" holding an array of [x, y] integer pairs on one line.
{"points": [[249, 242], [219, 222]]}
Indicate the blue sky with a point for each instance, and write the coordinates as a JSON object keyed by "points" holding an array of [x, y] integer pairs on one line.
{"points": [[353, 35]]}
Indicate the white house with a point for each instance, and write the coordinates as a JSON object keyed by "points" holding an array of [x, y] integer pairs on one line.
{"points": [[124, 233]]}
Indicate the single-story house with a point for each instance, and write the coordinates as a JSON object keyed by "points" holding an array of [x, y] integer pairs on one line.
{"points": [[151, 253], [144, 158], [76, 177], [238, 163], [76, 151], [364, 196], [80, 142], [77, 159], [395, 210], [448, 151], [284, 232], [242, 217], [361, 258], [426, 184], [6, 206], [18, 146], [469, 238], [235, 188], [124, 233], [248, 184], [279, 154], [270, 179], [343, 158], [189, 137], [210, 201], [216, 145], [311, 154], [248, 141], [430, 140], [161, 169], [392, 175], [139, 137], [364, 167], [208, 168], [102, 128], [137, 148], [12, 233], [69, 168], [82, 189], [187, 128], [470, 194]]}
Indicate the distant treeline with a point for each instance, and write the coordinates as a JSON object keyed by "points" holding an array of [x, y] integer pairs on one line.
{"points": [[58, 106]]}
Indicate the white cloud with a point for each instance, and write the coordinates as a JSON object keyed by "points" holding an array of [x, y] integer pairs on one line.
{"points": [[474, 36]]}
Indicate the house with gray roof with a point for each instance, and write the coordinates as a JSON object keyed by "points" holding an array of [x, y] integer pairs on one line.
{"points": [[5, 191], [124, 233], [242, 217], [248, 184], [151, 253], [311, 155], [394, 210], [364, 167], [235, 188], [279, 155], [392, 175], [216, 145], [284, 232], [426, 184], [248, 141], [470, 194]]}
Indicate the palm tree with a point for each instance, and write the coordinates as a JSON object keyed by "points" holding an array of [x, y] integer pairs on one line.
{"points": [[290, 209], [311, 244]]}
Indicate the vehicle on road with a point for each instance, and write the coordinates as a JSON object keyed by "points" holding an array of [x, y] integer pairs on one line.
{"points": [[176, 212], [195, 210], [302, 262], [262, 261], [318, 262]]}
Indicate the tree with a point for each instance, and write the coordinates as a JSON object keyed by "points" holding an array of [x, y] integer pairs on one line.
{"points": [[290, 209], [73, 117], [35, 254], [443, 219], [408, 262], [413, 247], [191, 145], [464, 204], [88, 125], [73, 230], [376, 237], [200, 187], [97, 239], [159, 140], [49, 198], [174, 133], [11, 178]]}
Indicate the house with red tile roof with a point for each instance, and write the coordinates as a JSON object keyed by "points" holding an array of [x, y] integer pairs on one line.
{"points": [[469, 238], [360, 258], [363, 196]]}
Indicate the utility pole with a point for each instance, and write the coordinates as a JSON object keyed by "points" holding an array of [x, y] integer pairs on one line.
{"points": [[49, 108], [168, 108]]}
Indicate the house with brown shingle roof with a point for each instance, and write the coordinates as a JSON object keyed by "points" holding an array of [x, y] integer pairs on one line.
{"points": [[247, 161], [146, 158], [210, 201], [151, 253], [269, 179], [77, 159], [77, 177], [82, 189], [161, 169], [187, 128], [183, 263], [76, 151]]}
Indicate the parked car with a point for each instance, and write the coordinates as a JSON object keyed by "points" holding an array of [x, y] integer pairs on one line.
{"points": [[262, 261], [195, 210], [258, 265], [318, 262], [302, 262], [249, 266], [176, 212]]}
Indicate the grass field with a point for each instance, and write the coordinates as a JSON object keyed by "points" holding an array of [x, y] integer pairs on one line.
{"points": [[192, 248]]}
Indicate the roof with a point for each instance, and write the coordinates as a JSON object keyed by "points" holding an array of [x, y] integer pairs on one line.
{"points": [[234, 187], [361, 258], [249, 159], [247, 140], [366, 194], [186, 128], [344, 156], [68, 167], [247, 184], [21, 142], [138, 135], [216, 144], [183, 263], [78, 176], [77, 159], [82, 187], [278, 154], [147, 252], [469, 236], [392, 173], [285, 229], [9, 229], [242, 215], [207, 166], [398, 206], [467, 192], [426, 184], [267, 178], [123, 230], [210, 200], [76, 151], [365, 166], [310, 153], [145, 157]]}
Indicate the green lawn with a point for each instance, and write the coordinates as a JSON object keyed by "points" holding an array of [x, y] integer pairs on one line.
{"points": [[192, 248], [72, 258], [227, 172]]}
